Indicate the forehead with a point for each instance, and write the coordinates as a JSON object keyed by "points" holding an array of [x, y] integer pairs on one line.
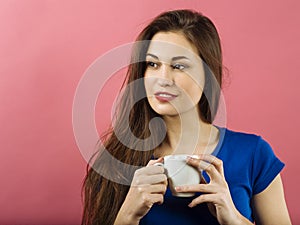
{"points": [[166, 45]]}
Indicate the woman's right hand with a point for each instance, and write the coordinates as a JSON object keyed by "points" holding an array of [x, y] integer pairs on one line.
{"points": [[148, 187]]}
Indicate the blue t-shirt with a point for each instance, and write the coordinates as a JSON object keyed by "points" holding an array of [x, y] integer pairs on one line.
{"points": [[249, 167]]}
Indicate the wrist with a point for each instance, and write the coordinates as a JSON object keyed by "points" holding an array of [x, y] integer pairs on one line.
{"points": [[235, 218], [241, 220]]}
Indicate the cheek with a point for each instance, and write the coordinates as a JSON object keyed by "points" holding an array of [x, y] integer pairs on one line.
{"points": [[149, 84], [195, 94], [193, 89]]}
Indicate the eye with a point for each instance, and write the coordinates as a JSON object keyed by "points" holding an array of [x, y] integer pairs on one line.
{"points": [[178, 66], [152, 64]]}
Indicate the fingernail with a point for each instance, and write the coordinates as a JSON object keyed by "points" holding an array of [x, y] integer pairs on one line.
{"points": [[178, 188], [188, 158], [191, 205]]}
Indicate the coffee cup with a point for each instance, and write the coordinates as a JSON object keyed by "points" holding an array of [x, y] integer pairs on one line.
{"points": [[180, 173]]}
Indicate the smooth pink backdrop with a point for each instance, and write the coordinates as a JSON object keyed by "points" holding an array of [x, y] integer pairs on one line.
{"points": [[45, 47]]}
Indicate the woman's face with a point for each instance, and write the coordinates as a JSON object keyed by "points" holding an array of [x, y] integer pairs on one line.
{"points": [[174, 78]]}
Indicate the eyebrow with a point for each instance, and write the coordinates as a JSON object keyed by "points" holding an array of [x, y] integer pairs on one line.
{"points": [[173, 59]]}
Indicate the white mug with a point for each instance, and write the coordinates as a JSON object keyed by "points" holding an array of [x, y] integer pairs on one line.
{"points": [[179, 173]]}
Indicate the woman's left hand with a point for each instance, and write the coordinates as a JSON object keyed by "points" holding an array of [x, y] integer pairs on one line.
{"points": [[216, 193]]}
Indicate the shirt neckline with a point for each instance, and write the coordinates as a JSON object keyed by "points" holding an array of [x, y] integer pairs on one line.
{"points": [[222, 132]]}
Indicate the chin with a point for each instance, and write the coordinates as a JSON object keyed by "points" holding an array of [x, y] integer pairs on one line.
{"points": [[166, 112]]}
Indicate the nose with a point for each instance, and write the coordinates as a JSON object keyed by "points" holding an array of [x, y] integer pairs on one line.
{"points": [[165, 76]]}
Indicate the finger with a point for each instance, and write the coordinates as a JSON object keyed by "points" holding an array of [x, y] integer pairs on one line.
{"points": [[146, 180], [152, 162], [157, 198], [212, 198], [158, 189], [157, 178], [212, 172], [195, 162], [204, 188], [150, 170], [218, 163], [165, 182]]}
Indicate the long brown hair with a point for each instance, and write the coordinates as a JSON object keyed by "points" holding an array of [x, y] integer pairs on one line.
{"points": [[103, 197]]}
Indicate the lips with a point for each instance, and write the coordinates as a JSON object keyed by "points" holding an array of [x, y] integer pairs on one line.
{"points": [[164, 96]]}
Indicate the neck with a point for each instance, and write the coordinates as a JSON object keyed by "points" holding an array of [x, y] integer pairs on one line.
{"points": [[188, 135]]}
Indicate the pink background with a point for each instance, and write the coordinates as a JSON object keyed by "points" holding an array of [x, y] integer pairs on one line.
{"points": [[45, 47]]}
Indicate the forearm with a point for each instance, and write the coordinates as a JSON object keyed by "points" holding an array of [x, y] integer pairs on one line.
{"points": [[126, 217], [125, 220]]}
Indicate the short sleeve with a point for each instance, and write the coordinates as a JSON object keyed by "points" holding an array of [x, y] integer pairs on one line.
{"points": [[266, 166]]}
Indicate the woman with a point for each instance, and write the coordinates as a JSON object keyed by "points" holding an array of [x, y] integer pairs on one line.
{"points": [[181, 69]]}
